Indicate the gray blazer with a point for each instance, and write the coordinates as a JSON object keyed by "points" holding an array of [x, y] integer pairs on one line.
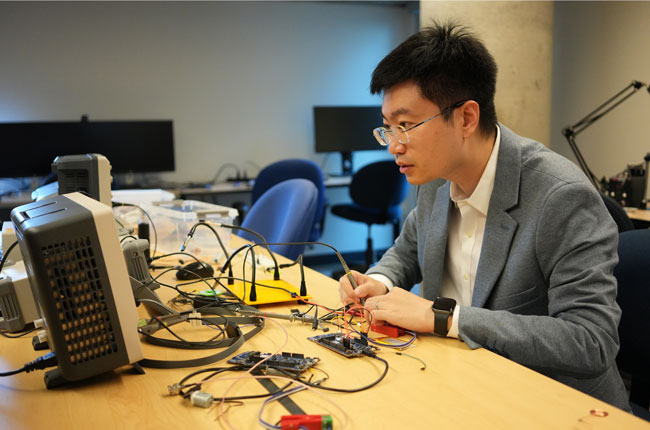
{"points": [[544, 294]]}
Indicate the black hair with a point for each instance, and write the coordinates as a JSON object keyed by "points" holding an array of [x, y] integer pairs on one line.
{"points": [[448, 64]]}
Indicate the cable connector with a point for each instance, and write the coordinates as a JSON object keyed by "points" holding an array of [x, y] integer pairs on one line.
{"points": [[174, 390], [369, 352], [195, 319], [187, 238], [201, 399], [43, 362]]}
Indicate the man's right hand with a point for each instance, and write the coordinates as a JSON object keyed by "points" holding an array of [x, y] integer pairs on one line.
{"points": [[366, 287]]}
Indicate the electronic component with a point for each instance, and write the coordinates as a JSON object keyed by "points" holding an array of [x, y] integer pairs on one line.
{"points": [[78, 275], [87, 173], [17, 305], [142, 284], [201, 399], [346, 346], [310, 422], [291, 362]]}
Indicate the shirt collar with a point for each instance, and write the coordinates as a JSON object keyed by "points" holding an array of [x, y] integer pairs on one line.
{"points": [[480, 198]]}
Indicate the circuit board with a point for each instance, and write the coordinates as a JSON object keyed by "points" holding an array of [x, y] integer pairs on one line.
{"points": [[346, 346], [290, 362]]}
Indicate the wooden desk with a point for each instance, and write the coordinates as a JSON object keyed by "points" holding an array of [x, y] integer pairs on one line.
{"points": [[460, 388], [638, 214], [640, 217]]}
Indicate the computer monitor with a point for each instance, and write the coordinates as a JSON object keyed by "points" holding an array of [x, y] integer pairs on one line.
{"points": [[28, 148], [346, 129]]}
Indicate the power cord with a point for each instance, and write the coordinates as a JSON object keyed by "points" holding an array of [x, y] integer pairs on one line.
{"points": [[155, 239], [190, 234], [6, 255], [44, 362]]}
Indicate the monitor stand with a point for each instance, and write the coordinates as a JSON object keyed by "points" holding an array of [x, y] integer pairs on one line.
{"points": [[346, 163]]}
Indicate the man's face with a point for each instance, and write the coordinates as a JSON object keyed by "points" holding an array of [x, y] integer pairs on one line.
{"points": [[433, 149]]}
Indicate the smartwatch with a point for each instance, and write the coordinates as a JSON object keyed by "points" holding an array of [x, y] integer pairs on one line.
{"points": [[443, 309]]}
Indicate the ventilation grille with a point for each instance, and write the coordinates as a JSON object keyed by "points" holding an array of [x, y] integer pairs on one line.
{"points": [[79, 295], [72, 180], [9, 308], [141, 273]]}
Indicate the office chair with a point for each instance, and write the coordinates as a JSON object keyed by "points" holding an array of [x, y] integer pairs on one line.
{"points": [[290, 169], [377, 190], [284, 213], [617, 212], [634, 299]]}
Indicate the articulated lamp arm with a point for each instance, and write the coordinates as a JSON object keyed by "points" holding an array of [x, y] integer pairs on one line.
{"points": [[571, 131]]}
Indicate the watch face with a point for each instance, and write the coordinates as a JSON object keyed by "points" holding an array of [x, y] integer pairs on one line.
{"points": [[444, 304]]}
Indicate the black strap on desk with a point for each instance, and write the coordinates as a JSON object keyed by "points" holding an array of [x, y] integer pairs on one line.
{"points": [[285, 401], [235, 341]]}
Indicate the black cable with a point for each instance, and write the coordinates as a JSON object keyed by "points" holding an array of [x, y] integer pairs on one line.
{"points": [[276, 274], [130, 236], [186, 390], [6, 255], [120, 223], [187, 344], [16, 336], [200, 279], [303, 284], [235, 336], [153, 226], [345, 390], [158, 257], [253, 294], [228, 265], [43, 362], [193, 229], [336, 251]]}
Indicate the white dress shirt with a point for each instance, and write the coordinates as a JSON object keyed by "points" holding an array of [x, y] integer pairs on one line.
{"points": [[465, 238]]}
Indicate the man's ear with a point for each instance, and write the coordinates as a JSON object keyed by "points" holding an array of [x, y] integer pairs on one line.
{"points": [[471, 114]]}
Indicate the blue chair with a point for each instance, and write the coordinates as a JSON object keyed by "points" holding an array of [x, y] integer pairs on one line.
{"points": [[377, 190], [284, 213], [290, 169], [634, 299]]}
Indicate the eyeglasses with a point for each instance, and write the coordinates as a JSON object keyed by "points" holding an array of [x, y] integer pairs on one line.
{"points": [[386, 135]]}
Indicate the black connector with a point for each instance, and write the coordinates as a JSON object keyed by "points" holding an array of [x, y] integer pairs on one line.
{"points": [[43, 362], [48, 360], [369, 352]]}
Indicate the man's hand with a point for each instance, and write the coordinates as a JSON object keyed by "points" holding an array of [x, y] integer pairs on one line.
{"points": [[366, 287], [402, 308]]}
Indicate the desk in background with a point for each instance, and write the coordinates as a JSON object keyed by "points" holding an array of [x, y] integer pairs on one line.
{"points": [[347, 236], [460, 388], [640, 217], [222, 192]]}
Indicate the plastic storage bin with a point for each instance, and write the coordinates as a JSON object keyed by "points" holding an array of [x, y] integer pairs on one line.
{"points": [[137, 197], [128, 217], [174, 219]]}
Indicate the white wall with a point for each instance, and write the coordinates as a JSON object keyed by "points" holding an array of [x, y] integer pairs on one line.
{"points": [[239, 79], [520, 37], [599, 48]]}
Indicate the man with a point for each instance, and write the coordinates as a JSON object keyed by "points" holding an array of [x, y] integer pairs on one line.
{"points": [[513, 248]]}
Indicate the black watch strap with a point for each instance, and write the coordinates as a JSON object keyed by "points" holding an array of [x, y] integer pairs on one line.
{"points": [[443, 309], [441, 321]]}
